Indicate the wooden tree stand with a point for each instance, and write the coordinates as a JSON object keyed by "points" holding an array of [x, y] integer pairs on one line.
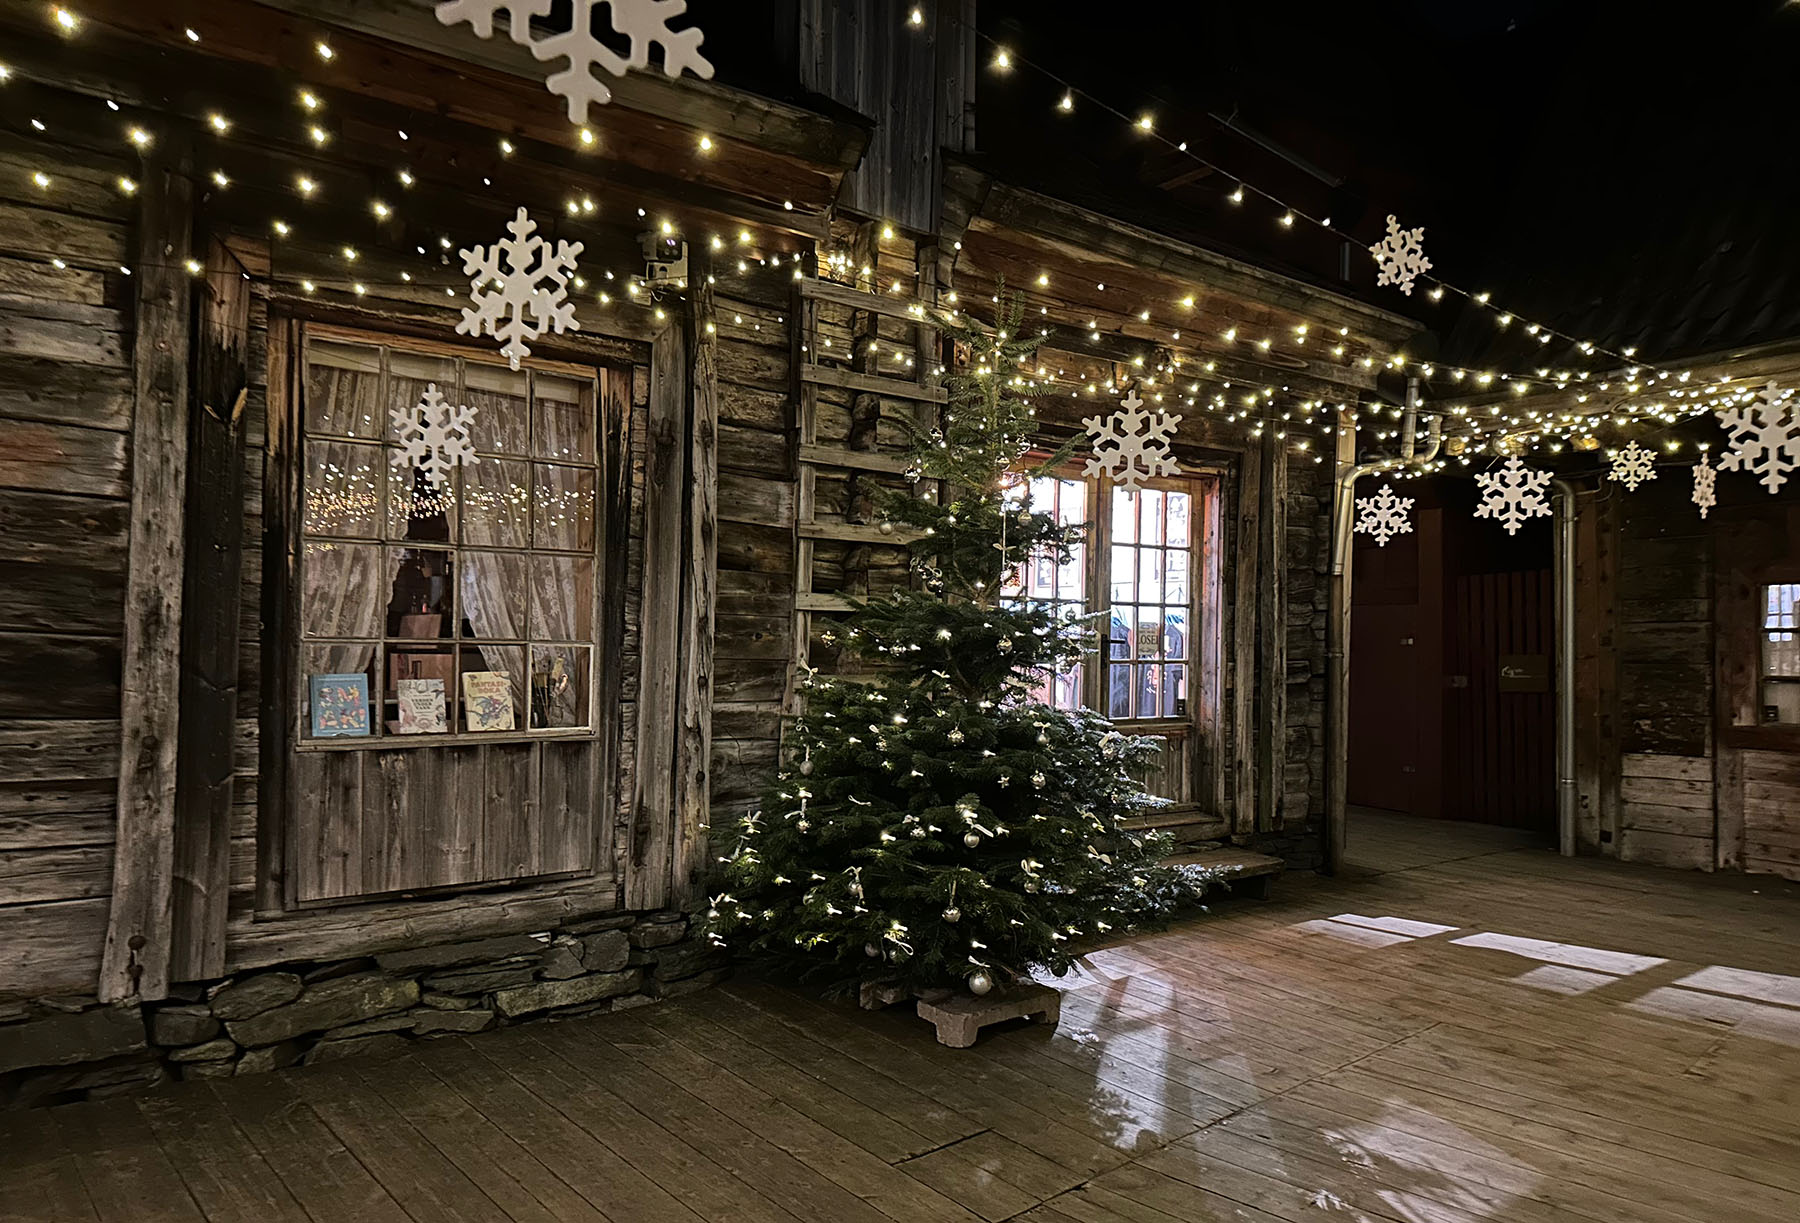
{"points": [[959, 1017]]}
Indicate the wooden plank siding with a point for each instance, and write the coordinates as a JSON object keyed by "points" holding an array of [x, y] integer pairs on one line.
{"points": [[65, 473]]}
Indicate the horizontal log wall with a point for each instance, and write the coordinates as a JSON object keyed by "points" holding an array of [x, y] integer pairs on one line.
{"points": [[1666, 810], [65, 415]]}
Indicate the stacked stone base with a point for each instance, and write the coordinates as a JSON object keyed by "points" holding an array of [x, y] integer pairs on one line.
{"points": [[58, 1050]]}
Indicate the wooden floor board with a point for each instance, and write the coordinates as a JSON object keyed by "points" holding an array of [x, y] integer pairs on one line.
{"points": [[1460, 1028]]}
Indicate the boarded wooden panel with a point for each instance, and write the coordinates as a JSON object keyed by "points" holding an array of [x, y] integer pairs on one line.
{"points": [[567, 798], [61, 458]]}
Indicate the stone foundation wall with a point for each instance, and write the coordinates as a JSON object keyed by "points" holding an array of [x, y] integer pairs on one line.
{"points": [[58, 1050]]}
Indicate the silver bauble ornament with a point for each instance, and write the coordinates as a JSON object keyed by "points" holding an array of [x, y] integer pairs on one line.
{"points": [[980, 984], [886, 528], [953, 914], [806, 768], [872, 951], [972, 840]]}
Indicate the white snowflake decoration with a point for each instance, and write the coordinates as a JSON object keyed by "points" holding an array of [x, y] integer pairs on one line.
{"points": [[1400, 256], [644, 22], [1763, 437], [1132, 445], [434, 436], [1632, 466], [514, 278], [1513, 495], [1384, 515], [1706, 487]]}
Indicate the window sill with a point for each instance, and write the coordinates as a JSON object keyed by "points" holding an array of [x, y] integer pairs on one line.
{"points": [[371, 743]]}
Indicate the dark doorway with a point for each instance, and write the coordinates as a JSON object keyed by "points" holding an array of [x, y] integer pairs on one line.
{"points": [[1452, 683]]}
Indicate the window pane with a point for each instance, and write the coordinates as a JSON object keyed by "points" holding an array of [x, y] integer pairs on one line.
{"points": [[1175, 691], [492, 688], [421, 690], [343, 489], [1146, 690], [1180, 510], [493, 596], [562, 598], [564, 428], [1124, 516], [1071, 507], [1175, 633], [1118, 696], [1175, 585], [342, 710], [409, 374], [1124, 570], [341, 589], [559, 686], [496, 504], [417, 508], [419, 587], [1150, 585], [1071, 578], [1151, 531], [563, 508], [501, 402], [342, 394], [1148, 633]]}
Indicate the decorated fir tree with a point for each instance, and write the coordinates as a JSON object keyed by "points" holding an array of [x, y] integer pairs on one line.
{"points": [[934, 824]]}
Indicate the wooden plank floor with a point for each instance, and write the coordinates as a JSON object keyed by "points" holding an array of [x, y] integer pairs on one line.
{"points": [[1459, 1030]]}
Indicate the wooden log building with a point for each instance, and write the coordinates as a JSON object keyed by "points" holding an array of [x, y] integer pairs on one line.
{"points": [[229, 263]]}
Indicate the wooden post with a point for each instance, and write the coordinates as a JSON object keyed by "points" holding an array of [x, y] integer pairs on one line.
{"points": [[135, 960], [209, 626], [651, 850], [699, 598], [1337, 658], [1271, 757], [1246, 578]]}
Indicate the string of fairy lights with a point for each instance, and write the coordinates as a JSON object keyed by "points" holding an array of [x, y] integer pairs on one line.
{"points": [[1253, 389]]}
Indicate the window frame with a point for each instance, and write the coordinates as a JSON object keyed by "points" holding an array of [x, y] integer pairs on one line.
{"points": [[294, 649], [1739, 606], [1198, 731]]}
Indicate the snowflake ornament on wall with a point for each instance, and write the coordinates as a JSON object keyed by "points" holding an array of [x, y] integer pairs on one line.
{"points": [[1513, 495], [644, 23], [1706, 487], [1400, 256], [515, 278], [1132, 445], [1384, 515], [1764, 438], [1632, 466], [434, 436]]}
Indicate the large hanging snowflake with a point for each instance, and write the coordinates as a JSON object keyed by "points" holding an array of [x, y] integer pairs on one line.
{"points": [[645, 23], [1706, 486], [1632, 466], [1763, 437], [1513, 495], [518, 277], [1132, 445], [1384, 515], [434, 436], [1400, 256]]}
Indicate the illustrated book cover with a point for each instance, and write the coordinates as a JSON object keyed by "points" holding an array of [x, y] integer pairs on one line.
{"points": [[340, 706], [422, 707], [487, 700]]}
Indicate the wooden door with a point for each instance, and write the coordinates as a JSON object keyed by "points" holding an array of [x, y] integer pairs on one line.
{"points": [[1384, 707], [1500, 729]]}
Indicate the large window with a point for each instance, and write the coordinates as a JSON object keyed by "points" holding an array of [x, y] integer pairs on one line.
{"points": [[454, 609], [1133, 580], [1781, 654]]}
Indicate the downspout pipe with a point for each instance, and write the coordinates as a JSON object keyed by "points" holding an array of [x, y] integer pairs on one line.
{"points": [[1337, 798], [1567, 796]]}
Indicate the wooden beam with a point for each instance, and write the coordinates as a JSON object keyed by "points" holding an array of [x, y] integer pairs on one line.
{"points": [[699, 600], [1078, 230], [1272, 626], [211, 599], [859, 299], [872, 384], [1246, 577], [135, 960], [651, 844], [859, 460]]}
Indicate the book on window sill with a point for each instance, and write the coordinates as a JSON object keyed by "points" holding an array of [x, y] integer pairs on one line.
{"points": [[421, 707], [487, 700], [339, 706]]}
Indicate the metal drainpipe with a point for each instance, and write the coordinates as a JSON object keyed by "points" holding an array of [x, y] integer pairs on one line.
{"points": [[1566, 795], [1337, 797]]}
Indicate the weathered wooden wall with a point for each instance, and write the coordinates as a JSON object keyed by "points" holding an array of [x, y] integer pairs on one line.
{"points": [[65, 416]]}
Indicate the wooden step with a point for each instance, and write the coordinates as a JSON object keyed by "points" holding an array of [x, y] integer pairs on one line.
{"points": [[1246, 871]]}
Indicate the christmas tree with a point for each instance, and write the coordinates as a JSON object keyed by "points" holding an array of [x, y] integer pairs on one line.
{"points": [[934, 824]]}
